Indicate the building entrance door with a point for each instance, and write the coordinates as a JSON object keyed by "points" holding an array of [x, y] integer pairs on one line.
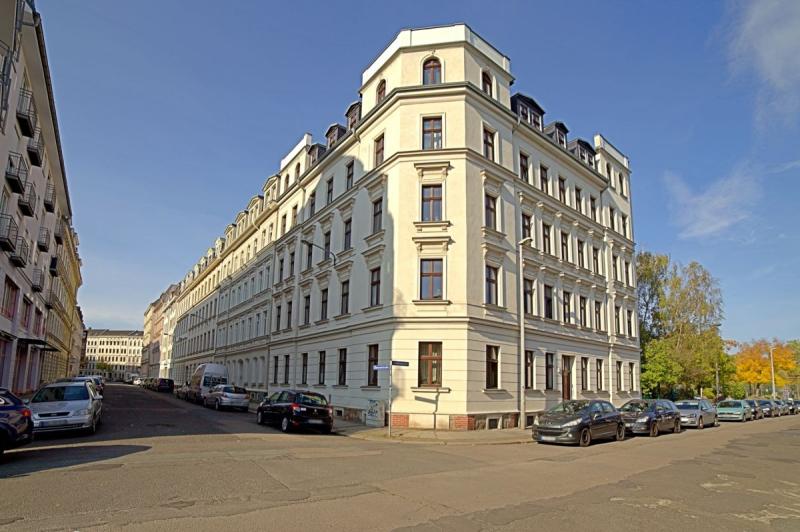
{"points": [[566, 378]]}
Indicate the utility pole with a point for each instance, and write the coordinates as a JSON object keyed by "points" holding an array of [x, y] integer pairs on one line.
{"points": [[521, 320], [772, 369]]}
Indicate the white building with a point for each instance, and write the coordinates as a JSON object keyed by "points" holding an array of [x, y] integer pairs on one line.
{"points": [[112, 353], [396, 240]]}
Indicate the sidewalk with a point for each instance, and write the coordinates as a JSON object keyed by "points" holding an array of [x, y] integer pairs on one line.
{"points": [[435, 437]]}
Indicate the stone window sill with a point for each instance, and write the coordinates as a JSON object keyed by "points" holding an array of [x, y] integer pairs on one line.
{"points": [[372, 308], [433, 302], [430, 389], [339, 386], [371, 388], [494, 390]]}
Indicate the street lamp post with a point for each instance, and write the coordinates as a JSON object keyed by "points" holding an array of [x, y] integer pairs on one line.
{"points": [[521, 320], [327, 251], [772, 369]]}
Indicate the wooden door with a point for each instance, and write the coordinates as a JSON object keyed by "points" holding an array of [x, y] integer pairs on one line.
{"points": [[566, 378]]}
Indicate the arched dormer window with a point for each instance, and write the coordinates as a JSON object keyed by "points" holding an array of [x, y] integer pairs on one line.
{"points": [[431, 72], [486, 82], [380, 93]]}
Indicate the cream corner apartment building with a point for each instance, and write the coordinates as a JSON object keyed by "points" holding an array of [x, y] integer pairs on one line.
{"points": [[397, 239]]}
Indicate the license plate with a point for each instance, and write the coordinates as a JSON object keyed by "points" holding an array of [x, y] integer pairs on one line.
{"points": [[684, 419], [548, 438], [628, 425], [54, 423], [315, 421]]}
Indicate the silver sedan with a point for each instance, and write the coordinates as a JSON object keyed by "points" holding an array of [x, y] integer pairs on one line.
{"points": [[66, 405], [227, 396]]}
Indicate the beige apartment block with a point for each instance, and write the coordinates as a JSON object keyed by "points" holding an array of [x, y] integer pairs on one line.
{"points": [[397, 239], [39, 261], [113, 354]]}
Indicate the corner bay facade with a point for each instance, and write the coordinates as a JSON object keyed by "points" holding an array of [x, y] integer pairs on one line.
{"points": [[397, 238]]}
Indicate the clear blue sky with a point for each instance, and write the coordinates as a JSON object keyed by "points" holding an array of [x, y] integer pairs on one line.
{"points": [[172, 113]]}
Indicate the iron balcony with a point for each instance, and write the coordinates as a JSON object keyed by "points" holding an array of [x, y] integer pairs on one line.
{"points": [[35, 148], [16, 172], [58, 234], [26, 113], [50, 198], [37, 284], [8, 232], [43, 242], [27, 201], [19, 257], [54, 269]]}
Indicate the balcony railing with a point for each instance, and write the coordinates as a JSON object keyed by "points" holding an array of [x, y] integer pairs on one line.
{"points": [[43, 242], [27, 201], [53, 300], [54, 269], [36, 148], [58, 234], [50, 198], [26, 113], [8, 232], [16, 172], [37, 284], [19, 256]]}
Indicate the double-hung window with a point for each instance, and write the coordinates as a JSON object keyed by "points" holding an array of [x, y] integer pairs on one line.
{"points": [[430, 364], [432, 203], [431, 277], [432, 133], [491, 285], [372, 361]]}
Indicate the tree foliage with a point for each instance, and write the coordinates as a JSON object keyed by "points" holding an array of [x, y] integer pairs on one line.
{"points": [[753, 363]]}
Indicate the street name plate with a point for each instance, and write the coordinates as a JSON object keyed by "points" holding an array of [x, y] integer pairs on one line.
{"points": [[377, 367], [399, 363]]}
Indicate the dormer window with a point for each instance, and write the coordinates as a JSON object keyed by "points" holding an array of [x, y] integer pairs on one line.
{"points": [[561, 138], [380, 93], [536, 120], [432, 72], [486, 82]]}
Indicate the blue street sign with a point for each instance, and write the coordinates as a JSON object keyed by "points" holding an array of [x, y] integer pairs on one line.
{"points": [[376, 367], [399, 363]]}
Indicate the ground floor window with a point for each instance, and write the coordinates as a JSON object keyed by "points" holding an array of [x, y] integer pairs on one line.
{"points": [[619, 375], [599, 374], [631, 387], [549, 370], [528, 369], [430, 364], [584, 373], [492, 366], [372, 361]]}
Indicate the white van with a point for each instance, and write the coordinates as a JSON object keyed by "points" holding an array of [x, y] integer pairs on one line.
{"points": [[205, 377]]}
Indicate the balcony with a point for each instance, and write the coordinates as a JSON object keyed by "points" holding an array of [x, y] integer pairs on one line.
{"points": [[8, 232], [27, 201], [53, 300], [54, 269], [19, 257], [36, 148], [50, 198], [37, 284], [26, 113], [58, 234], [16, 172], [43, 242]]}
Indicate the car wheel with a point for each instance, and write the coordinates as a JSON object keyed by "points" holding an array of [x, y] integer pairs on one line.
{"points": [[259, 418], [93, 428], [285, 425], [585, 438], [677, 428], [654, 429], [620, 432], [700, 424], [716, 421], [216, 405], [327, 430]]}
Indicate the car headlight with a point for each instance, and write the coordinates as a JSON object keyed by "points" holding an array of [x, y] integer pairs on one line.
{"points": [[573, 423], [643, 419], [84, 412]]}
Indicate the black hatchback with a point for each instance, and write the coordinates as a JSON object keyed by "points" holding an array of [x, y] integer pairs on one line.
{"points": [[293, 409], [164, 385], [16, 425], [651, 416], [579, 422]]}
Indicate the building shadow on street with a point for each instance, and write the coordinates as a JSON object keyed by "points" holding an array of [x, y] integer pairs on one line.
{"points": [[25, 461]]}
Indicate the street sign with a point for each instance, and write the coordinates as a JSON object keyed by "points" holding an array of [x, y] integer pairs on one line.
{"points": [[376, 367], [399, 363]]}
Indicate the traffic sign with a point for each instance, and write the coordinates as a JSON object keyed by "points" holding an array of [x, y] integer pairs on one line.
{"points": [[399, 363], [376, 367]]}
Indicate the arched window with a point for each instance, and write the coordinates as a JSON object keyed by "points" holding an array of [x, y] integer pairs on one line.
{"points": [[431, 72], [486, 82], [380, 93], [286, 183], [297, 171]]}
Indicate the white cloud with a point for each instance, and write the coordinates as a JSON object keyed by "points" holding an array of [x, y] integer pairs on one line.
{"points": [[765, 38], [715, 210]]}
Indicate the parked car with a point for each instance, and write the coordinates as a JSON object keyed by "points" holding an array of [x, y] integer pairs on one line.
{"points": [[697, 413], [66, 406], [651, 416], [770, 409], [292, 409], [164, 385], [755, 406], [784, 408], [579, 422], [734, 410], [228, 396], [181, 391], [16, 425], [205, 377], [137, 381], [793, 406]]}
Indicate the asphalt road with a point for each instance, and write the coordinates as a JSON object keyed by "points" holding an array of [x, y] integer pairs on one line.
{"points": [[158, 463]]}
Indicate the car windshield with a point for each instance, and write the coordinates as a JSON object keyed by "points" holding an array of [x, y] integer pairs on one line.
{"points": [[729, 404], [636, 406], [61, 393], [686, 405], [311, 400], [213, 380], [570, 407]]}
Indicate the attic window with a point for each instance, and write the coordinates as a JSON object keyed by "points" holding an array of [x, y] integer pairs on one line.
{"points": [[561, 138], [536, 120], [486, 82], [380, 93], [431, 72], [297, 171]]}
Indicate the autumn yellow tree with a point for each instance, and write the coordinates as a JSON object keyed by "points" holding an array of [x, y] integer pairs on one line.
{"points": [[753, 365]]}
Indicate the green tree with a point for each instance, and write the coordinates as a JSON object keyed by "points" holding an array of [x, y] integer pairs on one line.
{"points": [[651, 276], [662, 372], [102, 366]]}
